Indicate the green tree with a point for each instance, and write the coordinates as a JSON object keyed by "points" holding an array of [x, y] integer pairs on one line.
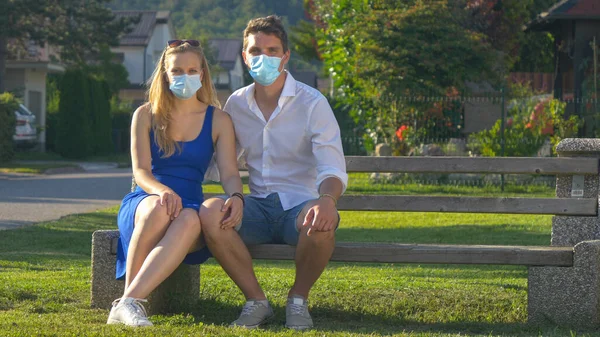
{"points": [[536, 49], [78, 27], [73, 134], [381, 52], [101, 120], [303, 41], [217, 18], [52, 108], [8, 106], [105, 69]]}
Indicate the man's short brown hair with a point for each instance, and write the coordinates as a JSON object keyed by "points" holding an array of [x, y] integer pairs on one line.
{"points": [[269, 25]]}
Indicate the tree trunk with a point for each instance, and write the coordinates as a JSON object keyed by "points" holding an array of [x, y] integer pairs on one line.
{"points": [[3, 54]]}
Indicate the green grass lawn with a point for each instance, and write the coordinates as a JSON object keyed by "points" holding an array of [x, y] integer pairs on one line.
{"points": [[33, 168], [45, 278], [42, 162], [45, 283], [51, 156], [358, 183]]}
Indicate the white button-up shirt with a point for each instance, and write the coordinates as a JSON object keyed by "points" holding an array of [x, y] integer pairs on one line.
{"points": [[295, 150]]}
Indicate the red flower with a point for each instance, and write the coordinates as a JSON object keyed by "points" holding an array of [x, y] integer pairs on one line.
{"points": [[399, 132], [509, 122], [537, 115]]}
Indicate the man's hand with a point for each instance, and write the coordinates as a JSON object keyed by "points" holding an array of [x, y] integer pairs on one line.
{"points": [[322, 216]]}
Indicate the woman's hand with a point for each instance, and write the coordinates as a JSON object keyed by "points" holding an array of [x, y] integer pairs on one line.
{"points": [[172, 200], [234, 210]]}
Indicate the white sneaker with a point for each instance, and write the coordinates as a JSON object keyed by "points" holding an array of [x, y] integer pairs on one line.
{"points": [[128, 311], [254, 314], [296, 313]]}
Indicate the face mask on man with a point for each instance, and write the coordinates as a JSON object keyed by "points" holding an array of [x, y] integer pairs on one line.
{"points": [[264, 69], [185, 86]]}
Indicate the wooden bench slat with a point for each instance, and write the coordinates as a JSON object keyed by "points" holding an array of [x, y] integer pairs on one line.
{"points": [[425, 253], [411, 203], [497, 165], [418, 203]]}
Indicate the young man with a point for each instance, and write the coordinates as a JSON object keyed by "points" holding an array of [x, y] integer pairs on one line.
{"points": [[297, 173]]}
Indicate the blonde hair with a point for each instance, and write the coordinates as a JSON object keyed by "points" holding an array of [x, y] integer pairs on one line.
{"points": [[161, 98]]}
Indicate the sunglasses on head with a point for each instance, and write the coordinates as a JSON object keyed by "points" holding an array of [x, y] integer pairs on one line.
{"points": [[177, 43]]}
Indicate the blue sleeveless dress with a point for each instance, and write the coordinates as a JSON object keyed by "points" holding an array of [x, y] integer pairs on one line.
{"points": [[183, 172]]}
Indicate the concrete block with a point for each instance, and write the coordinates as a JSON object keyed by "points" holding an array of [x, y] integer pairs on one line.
{"points": [[579, 147], [567, 296], [564, 185], [177, 293], [105, 288], [570, 230]]}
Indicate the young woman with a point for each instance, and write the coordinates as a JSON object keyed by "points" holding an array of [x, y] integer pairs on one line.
{"points": [[173, 138]]}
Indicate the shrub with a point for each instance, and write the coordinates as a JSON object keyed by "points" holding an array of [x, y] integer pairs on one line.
{"points": [[73, 134], [8, 106], [101, 126], [53, 99], [121, 113], [529, 124]]}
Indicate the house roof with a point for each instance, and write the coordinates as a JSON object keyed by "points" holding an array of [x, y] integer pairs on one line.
{"points": [[227, 51], [566, 10], [142, 31]]}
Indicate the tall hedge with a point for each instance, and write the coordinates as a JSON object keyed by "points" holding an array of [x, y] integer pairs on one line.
{"points": [[101, 126], [73, 136], [53, 98], [8, 106], [121, 113]]}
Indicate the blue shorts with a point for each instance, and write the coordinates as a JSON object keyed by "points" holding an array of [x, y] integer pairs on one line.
{"points": [[265, 221]]}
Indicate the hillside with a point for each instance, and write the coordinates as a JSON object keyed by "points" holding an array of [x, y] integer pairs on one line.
{"points": [[216, 18]]}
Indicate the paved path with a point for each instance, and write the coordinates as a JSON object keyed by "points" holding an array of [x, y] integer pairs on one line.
{"points": [[27, 199]]}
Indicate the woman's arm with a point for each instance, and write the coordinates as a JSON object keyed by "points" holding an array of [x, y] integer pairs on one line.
{"points": [[141, 161], [228, 170]]}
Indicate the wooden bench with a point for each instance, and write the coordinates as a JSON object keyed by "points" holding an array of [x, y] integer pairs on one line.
{"points": [[564, 277]]}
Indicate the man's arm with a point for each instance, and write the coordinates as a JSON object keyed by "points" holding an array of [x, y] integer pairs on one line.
{"points": [[331, 168]]}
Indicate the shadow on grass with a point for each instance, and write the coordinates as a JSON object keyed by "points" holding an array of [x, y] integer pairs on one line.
{"points": [[332, 320]]}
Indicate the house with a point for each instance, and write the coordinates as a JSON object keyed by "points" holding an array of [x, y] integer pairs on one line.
{"points": [[26, 73], [228, 72], [575, 25], [140, 49]]}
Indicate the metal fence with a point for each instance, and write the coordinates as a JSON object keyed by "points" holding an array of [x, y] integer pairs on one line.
{"points": [[450, 126]]}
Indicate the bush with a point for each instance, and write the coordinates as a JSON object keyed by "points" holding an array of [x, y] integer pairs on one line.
{"points": [[101, 126], [351, 133], [53, 99], [8, 106], [529, 124], [121, 113], [73, 136]]}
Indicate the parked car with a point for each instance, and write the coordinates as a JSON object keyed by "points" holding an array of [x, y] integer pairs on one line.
{"points": [[26, 130]]}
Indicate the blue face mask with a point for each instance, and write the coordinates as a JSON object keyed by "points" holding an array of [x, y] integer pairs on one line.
{"points": [[264, 69], [185, 86]]}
